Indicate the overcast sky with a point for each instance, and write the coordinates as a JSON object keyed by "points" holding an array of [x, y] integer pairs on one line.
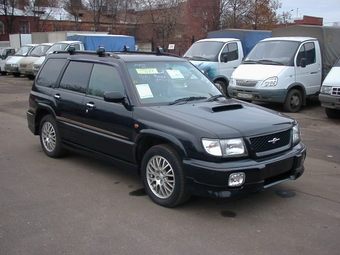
{"points": [[329, 10]]}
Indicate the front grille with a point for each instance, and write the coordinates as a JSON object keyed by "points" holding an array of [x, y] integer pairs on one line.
{"points": [[246, 83], [23, 65], [335, 91], [271, 143]]}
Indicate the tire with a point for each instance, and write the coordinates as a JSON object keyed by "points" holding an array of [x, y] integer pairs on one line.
{"points": [[163, 176], [49, 138], [293, 101], [332, 113], [16, 74], [223, 86], [30, 77]]}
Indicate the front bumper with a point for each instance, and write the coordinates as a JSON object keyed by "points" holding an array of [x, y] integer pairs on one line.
{"points": [[329, 101], [264, 95], [211, 179]]}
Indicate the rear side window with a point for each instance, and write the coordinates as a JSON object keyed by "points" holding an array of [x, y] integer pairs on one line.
{"points": [[50, 72], [76, 76]]}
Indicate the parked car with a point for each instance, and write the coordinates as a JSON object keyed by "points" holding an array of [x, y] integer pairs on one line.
{"points": [[161, 117], [12, 63], [59, 46], [5, 53], [330, 92], [26, 64]]}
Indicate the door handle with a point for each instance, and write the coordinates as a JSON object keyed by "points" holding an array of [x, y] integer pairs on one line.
{"points": [[57, 96], [90, 104]]}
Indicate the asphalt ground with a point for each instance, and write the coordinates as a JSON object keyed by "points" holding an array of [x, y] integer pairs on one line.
{"points": [[80, 205]]}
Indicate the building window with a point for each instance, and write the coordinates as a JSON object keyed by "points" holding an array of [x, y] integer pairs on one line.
{"points": [[205, 15], [195, 13], [57, 28], [24, 27], [2, 28]]}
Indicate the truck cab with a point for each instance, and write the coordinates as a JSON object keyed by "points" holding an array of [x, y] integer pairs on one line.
{"points": [[217, 58], [284, 70]]}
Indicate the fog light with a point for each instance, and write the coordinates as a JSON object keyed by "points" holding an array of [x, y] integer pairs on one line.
{"points": [[236, 179]]}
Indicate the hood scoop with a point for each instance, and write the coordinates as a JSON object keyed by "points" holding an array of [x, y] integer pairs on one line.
{"points": [[223, 108]]}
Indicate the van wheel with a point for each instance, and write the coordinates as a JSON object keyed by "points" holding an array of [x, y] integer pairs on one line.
{"points": [[50, 139], [332, 113], [223, 86], [163, 176], [293, 101]]}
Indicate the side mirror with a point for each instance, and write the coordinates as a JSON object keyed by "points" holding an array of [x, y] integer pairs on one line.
{"points": [[303, 62], [114, 97]]}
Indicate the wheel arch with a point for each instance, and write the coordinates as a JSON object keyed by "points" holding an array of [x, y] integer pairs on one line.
{"points": [[41, 111], [302, 90], [150, 138]]}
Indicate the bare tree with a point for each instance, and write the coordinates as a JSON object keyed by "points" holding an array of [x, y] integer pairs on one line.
{"points": [[10, 13], [75, 8]]}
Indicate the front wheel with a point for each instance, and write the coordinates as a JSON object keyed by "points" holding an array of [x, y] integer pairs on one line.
{"points": [[222, 86], [49, 138], [163, 176], [293, 101], [332, 113]]}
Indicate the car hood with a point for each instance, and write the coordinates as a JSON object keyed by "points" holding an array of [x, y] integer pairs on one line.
{"points": [[333, 77], [256, 71], [13, 59], [222, 119], [29, 60]]}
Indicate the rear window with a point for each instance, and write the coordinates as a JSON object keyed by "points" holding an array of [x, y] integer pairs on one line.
{"points": [[50, 72]]}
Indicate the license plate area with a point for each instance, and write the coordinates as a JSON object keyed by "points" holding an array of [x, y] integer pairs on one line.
{"points": [[245, 95]]}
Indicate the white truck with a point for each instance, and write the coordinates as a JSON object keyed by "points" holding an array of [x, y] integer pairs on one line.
{"points": [[287, 68], [223, 50], [330, 92]]}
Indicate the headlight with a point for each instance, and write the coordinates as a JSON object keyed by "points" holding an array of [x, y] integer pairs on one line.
{"points": [[15, 65], [326, 89], [231, 82], [270, 82], [225, 147], [296, 135]]}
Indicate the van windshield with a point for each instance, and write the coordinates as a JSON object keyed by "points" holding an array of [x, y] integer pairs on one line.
{"points": [[272, 53], [204, 51]]}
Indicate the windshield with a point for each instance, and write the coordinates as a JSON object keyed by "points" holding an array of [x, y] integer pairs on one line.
{"points": [[170, 83], [57, 47], [40, 50], [206, 50], [23, 51], [272, 52]]}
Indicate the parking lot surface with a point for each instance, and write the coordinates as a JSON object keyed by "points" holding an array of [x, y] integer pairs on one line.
{"points": [[80, 205]]}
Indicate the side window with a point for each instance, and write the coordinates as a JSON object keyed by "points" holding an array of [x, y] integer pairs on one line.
{"points": [[310, 53], [50, 71], [231, 51], [76, 76], [104, 78], [306, 51]]}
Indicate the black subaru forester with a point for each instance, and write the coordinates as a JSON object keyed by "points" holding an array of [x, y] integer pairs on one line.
{"points": [[161, 117]]}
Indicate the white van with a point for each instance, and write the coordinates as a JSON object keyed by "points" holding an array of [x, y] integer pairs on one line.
{"points": [[284, 70], [330, 92]]}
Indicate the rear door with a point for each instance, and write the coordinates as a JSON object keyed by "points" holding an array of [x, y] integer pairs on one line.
{"points": [[69, 98]]}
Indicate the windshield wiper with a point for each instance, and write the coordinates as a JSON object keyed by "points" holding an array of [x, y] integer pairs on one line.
{"points": [[213, 98], [268, 61], [186, 99]]}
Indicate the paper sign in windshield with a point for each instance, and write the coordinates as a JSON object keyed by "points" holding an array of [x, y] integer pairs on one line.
{"points": [[146, 70], [175, 74], [144, 91]]}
